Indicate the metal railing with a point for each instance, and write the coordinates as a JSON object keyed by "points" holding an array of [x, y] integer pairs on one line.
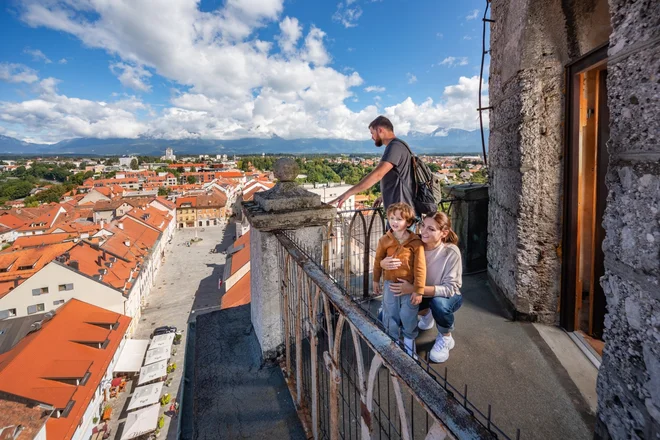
{"points": [[350, 247], [348, 377]]}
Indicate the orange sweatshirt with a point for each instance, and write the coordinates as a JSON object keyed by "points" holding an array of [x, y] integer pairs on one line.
{"points": [[411, 254]]}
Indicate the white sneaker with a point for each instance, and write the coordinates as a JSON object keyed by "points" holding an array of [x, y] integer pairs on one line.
{"points": [[440, 351], [449, 341], [426, 322], [410, 347]]}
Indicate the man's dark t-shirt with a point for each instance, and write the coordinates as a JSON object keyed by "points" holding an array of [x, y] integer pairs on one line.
{"points": [[397, 185]]}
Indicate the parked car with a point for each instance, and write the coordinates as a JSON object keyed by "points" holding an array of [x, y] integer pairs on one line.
{"points": [[163, 330]]}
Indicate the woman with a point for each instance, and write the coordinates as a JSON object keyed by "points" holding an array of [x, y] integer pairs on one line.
{"points": [[444, 272]]}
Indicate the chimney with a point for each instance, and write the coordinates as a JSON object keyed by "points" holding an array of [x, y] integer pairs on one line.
{"points": [[120, 225], [99, 261], [73, 264], [102, 224], [127, 243], [105, 256]]}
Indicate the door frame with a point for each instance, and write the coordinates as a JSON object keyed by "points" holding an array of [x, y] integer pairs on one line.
{"points": [[569, 270]]}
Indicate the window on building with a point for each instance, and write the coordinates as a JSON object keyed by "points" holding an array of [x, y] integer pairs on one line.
{"points": [[36, 308], [12, 312], [39, 291], [64, 287], [58, 302]]}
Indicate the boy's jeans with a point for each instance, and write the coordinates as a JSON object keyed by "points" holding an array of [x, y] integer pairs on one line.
{"points": [[398, 313]]}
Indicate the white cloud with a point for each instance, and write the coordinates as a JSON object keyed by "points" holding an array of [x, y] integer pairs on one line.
{"points": [[440, 35], [227, 83], [62, 61], [346, 14], [315, 52], [454, 61], [377, 89], [51, 117], [133, 77], [467, 37], [37, 55], [290, 33], [473, 15], [456, 109], [412, 79], [17, 73]]}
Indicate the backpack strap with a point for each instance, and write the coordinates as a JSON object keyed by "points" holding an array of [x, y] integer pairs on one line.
{"points": [[413, 161]]}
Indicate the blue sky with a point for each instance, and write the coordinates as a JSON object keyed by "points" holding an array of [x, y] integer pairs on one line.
{"points": [[236, 68]]}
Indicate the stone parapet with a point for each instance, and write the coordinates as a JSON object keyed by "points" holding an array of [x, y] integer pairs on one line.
{"points": [[284, 207]]}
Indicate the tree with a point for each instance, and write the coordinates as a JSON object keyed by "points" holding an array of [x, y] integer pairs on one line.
{"points": [[134, 164], [480, 176], [162, 191], [193, 169], [191, 179]]}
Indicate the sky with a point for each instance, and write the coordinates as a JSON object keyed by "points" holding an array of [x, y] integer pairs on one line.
{"points": [[231, 69]]}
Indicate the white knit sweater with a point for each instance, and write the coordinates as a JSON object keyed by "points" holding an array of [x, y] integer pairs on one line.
{"points": [[444, 270]]}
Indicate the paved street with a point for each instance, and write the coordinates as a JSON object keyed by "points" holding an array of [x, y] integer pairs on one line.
{"points": [[186, 285]]}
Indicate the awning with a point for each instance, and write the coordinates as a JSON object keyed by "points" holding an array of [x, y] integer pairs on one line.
{"points": [[153, 371], [157, 355], [130, 359], [161, 341], [146, 395], [141, 422]]}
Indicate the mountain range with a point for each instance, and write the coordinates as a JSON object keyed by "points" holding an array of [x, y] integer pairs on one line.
{"points": [[440, 141]]}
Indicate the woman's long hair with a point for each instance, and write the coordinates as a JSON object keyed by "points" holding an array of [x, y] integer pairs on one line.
{"points": [[445, 225]]}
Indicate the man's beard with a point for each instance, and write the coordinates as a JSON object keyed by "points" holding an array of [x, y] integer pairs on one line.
{"points": [[378, 142]]}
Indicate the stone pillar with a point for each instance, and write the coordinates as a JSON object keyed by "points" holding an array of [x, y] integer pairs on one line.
{"points": [[469, 218], [629, 377], [284, 207]]}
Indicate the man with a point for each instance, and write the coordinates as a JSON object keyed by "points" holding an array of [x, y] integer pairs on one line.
{"points": [[394, 170]]}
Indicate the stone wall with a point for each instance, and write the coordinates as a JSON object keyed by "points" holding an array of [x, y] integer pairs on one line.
{"points": [[530, 44], [629, 378]]}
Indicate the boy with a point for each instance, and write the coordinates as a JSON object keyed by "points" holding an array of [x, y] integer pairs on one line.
{"points": [[400, 311]]}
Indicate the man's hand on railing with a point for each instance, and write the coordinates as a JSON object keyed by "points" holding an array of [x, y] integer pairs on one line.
{"points": [[340, 200], [378, 202], [376, 288]]}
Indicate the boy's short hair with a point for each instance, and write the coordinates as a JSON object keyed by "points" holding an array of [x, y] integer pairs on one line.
{"points": [[407, 212]]}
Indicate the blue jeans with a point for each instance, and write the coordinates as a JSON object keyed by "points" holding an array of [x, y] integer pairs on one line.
{"points": [[443, 310], [399, 314]]}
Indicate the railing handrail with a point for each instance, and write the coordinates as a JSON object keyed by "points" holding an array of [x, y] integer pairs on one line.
{"points": [[429, 393]]}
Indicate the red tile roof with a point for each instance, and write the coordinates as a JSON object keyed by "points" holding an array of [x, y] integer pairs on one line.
{"points": [[238, 295], [91, 261], [19, 265], [60, 350], [242, 257], [30, 241], [29, 417]]}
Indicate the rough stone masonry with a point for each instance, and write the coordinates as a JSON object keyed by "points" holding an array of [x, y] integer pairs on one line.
{"points": [[531, 42], [629, 378]]}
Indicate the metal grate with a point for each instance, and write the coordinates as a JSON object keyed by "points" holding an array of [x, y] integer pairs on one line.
{"points": [[348, 376]]}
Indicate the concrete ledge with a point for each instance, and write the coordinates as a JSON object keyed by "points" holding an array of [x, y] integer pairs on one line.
{"points": [[287, 219], [236, 395]]}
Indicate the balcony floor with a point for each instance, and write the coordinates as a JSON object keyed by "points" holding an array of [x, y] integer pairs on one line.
{"points": [[509, 365]]}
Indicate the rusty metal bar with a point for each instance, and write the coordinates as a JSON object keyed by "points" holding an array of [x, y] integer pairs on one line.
{"points": [[314, 343], [299, 328], [285, 301], [428, 393]]}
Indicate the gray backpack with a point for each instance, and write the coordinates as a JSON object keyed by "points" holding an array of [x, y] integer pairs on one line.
{"points": [[428, 189]]}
